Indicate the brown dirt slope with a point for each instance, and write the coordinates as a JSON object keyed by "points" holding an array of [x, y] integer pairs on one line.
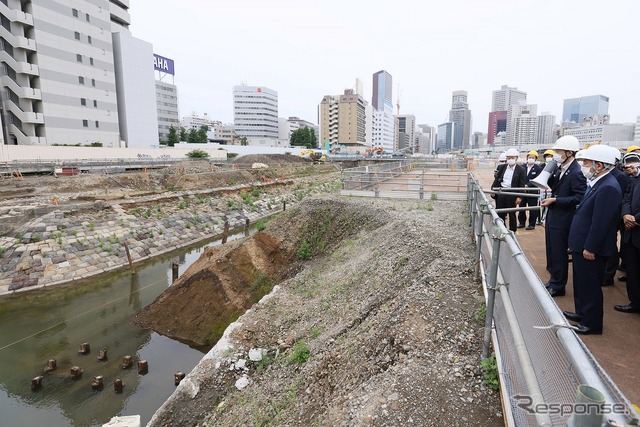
{"points": [[389, 313], [226, 280]]}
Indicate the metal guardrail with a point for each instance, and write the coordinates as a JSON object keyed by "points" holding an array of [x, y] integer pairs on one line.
{"points": [[542, 363], [405, 179]]}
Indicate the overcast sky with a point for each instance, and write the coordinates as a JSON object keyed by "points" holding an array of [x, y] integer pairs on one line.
{"points": [[552, 49]]}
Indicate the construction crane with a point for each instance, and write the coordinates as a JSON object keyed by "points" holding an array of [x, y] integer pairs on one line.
{"points": [[398, 101]]}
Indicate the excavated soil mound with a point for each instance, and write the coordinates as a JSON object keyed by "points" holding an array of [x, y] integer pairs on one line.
{"points": [[227, 280], [269, 159], [382, 326]]}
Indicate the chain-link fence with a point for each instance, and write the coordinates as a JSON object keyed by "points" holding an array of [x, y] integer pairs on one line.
{"points": [[541, 361]]}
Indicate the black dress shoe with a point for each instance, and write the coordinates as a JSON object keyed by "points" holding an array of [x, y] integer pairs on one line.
{"points": [[530, 227], [585, 330], [622, 278], [520, 225], [556, 292], [626, 308], [572, 316]]}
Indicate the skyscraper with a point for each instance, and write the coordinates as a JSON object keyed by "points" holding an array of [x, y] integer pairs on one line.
{"points": [[255, 114], [384, 132], [523, 131], [546, 129], [501, 100], [461, 116], [406, 132], [445, 137], [576, 109]]}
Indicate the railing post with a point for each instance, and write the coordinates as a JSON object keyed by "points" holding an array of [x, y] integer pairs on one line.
{"points": [[491, 292], [479, 236]]}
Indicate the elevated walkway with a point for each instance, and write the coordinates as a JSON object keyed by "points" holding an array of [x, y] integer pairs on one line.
{"points": [[617, 350]]}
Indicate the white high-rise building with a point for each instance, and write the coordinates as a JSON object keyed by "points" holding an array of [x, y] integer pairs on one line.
{"points": [[58, 79], [499, 120], [427, 139], [194, 121], [515, 111], [526, 129], [407, 132], [384, 130], [636, 137], [72, 74], [506, 96], [546, 129], [255, 114]]}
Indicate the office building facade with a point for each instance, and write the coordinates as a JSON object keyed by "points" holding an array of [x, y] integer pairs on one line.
{"points": [[576, 109], [72, 74], [58, 75], [499, 120], [343, 120], [445, 137], [497, 124], [136, 91], [461, 116], [407, 133], [546, 130], [384, 132], [255, 114], [167, 106]]}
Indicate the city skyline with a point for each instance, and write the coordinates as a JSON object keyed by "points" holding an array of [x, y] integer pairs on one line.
{"points": [[308, 51]]}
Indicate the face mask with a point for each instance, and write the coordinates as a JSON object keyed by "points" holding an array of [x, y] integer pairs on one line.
{"points": [[632, 170], [558, 158], [511, 162], [531, 161], [586, 171], [548, 159]]}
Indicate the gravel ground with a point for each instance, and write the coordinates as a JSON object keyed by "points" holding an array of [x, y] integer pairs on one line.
{"points": [[388, 315]]}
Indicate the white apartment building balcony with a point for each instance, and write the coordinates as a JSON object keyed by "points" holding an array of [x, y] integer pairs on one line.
{"points": [[15, 15]]}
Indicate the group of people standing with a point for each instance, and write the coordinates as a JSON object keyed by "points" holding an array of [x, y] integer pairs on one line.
{"points": [[593, 194]]}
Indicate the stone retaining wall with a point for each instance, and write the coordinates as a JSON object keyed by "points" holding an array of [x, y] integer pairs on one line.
{"points": [[60, 247]]}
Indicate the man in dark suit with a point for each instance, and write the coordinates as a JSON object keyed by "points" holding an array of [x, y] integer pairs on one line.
{"points": [[592, 236], [509, 175], [567, 186], [630, 245], [612, 262], [533, 170]]}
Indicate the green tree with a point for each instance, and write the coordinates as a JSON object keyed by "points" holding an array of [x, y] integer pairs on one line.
{"points": [[192, 137], [172, 138], [201, 135], [243, 141], [183, 134], [304, 137]]}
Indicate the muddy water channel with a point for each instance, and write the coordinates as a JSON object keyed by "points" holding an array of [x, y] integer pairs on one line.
{"points": [[52, 323]]}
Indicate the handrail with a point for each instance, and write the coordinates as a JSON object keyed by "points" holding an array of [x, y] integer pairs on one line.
{"points": [[584, 365]]}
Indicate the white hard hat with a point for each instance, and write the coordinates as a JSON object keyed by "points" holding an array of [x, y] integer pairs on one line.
{"points": [[615, 152], [511, 152], [599, 153], [503, 157], [567, 142]]}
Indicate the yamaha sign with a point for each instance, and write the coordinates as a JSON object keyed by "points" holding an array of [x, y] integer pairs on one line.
{"points": [[162, 64]]}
